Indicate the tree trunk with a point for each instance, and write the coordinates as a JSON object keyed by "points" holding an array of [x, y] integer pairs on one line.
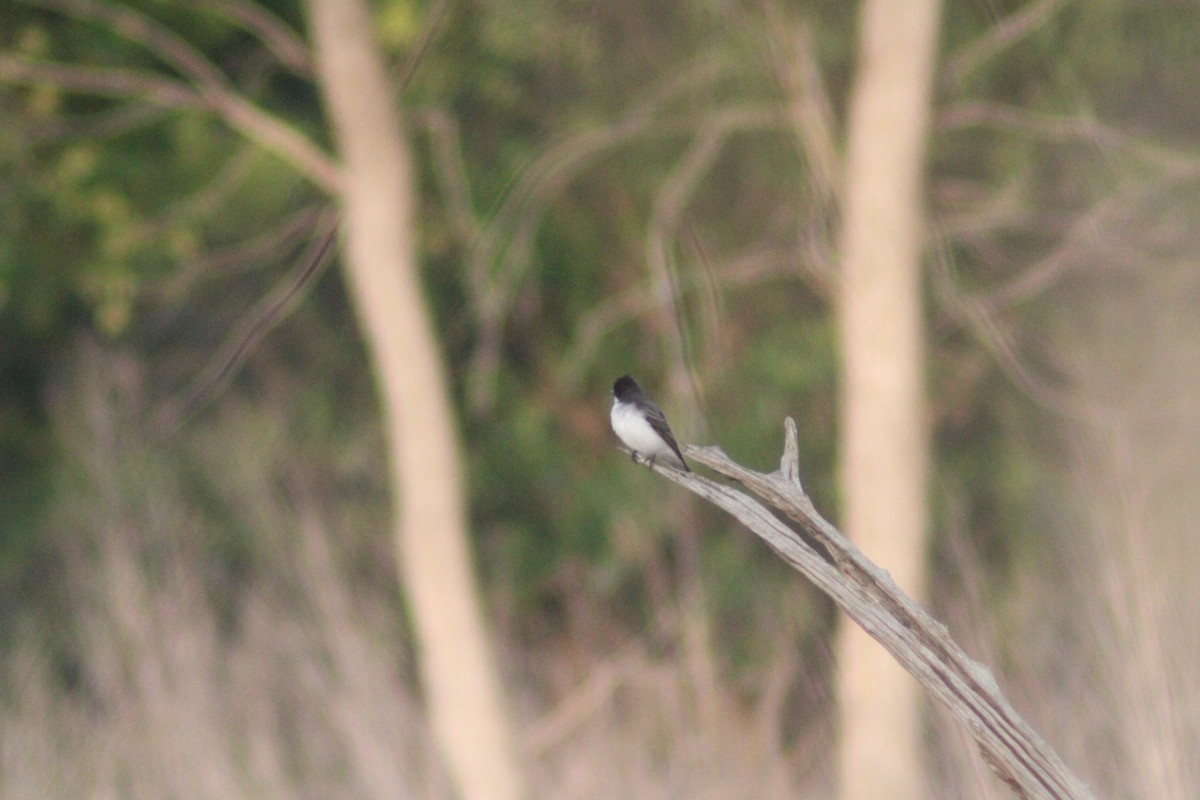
{"points": [[885, 443], [458, 668]]}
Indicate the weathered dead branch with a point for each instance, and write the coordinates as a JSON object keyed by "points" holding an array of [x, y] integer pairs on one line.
{"points": [[868, 595]]}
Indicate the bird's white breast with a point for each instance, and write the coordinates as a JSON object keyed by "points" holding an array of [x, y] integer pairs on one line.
{"points": [[633, 429]]}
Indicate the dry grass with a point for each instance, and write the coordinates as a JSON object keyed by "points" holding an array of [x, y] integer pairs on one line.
{"points": [[193, 684], [290, 678], [286, 680]]}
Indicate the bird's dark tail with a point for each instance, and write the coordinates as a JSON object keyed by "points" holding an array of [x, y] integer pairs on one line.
{"points": [[682, 464]]}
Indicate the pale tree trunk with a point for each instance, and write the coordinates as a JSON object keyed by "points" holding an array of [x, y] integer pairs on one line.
{"points": [[458, 668], [885, 444]]}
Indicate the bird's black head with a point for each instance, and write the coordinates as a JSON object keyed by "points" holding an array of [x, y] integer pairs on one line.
{"points": [[625, 389]]}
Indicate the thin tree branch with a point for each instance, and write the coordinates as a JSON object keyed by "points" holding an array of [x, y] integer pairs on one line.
{"points": [[1063, 128], [869, 596], [976, 318], [968, 209], [593, 695], [404, 71], [1083, 236], [239, 113], [265, 244], [136, 27], [498, 291], [211, 196], [451, 172], [104, 81], [809, 104], [111, 122], [666, 218], [711, 310], [499, 258], [280, 138], [758, 266], [266, 315], [285, 44], [1000, 36], [211, 86]]}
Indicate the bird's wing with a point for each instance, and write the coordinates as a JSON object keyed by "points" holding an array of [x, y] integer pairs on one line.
{"points": [[658, 421]]}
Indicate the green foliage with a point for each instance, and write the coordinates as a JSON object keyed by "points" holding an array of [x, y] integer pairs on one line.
{"points": [[119, 229], [103, 205]]}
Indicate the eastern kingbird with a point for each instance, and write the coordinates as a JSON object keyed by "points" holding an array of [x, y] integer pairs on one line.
{"points": [[641, 425]]}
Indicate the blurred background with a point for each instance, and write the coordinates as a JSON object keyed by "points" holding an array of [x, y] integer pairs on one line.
{"points": [[211, 581]]}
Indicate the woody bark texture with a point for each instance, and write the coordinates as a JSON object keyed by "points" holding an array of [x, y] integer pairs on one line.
{"points": [[459, 671], [872, 599]]}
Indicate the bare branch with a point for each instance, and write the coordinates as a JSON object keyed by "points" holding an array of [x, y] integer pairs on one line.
{"points": [[986, 327], [591, 696], [809, 104], [499, 258], [111, 122], [677, 189], [280, 138], [1004, 34], [212, 89], [267, 243], [284, 43], [136, 27], [711, 309], [1062, 128], [451, 172], [871, 598], [1081, 237], [105, 81], [207, 199], [502, 284], [265, 316], [967, 209], [602, 319], [666, 218], [403, 73]]}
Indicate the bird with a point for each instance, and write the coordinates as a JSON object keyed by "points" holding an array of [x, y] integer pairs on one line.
{"points": [[642, 426]]}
